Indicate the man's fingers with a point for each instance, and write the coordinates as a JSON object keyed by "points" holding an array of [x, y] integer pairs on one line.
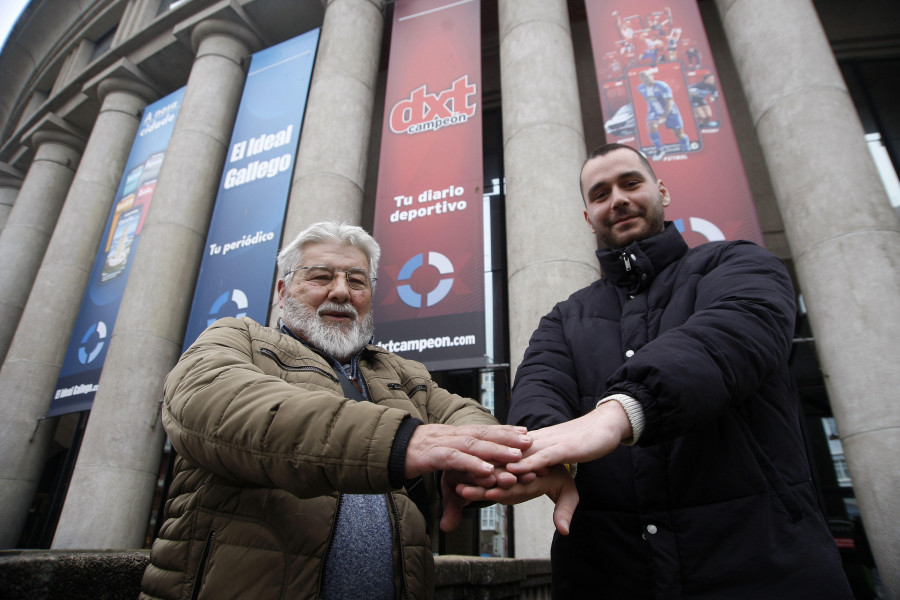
{"points": [[566, 503], [471, 448]]}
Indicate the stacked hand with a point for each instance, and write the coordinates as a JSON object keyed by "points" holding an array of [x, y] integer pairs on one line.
{"points": [[541, 471]]}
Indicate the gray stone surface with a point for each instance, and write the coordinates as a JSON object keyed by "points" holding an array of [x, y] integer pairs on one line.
{"points": [[549, 246], [844, 237], [30, 224], [29, 375], [331, 160], [115, 575], [123, 441]]}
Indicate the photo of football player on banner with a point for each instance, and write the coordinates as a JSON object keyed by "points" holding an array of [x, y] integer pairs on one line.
{"points": [[659, 93]]}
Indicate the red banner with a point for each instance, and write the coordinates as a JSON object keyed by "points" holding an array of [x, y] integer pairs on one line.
{"points": [[429, 303], [659, 92]]}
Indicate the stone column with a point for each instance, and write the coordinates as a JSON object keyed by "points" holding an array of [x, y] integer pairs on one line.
{"points": [[844, 237], [10, 183], [112, 487], [31, 220], [331, 160], [29, 375], [549, 246]]}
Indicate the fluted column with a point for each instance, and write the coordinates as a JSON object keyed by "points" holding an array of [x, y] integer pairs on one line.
{"points": [[31, 220], [29, 375], [331, 161], [844, 237], [549, 247], [123, 440]]}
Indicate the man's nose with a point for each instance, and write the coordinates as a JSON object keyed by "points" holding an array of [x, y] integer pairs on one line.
{"points": [[339, 288], [619, 198]]}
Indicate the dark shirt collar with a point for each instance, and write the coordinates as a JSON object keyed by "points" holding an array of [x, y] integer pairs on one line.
{"points": [[634, 267]]}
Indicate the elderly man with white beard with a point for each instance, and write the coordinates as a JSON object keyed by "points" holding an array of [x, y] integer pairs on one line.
{"points": [[306, 455]]}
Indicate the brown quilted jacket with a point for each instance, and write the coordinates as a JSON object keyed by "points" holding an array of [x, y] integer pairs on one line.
{"points": [[266, 442]]}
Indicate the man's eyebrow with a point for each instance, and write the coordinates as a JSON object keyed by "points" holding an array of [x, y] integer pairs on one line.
{"points": [[623, 175]]}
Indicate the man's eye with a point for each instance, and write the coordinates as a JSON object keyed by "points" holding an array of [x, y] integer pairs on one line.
{"points": [[357, 280], [320, 276]]}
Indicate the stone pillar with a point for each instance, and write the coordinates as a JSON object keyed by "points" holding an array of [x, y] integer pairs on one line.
{"points": [[9, 189], [111, 492], [29, 375], [31, 220], [844, 237], [550, 248], [331, 160]]}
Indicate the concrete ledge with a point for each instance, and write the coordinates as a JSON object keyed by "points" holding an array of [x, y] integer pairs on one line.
{"points": [[116, 575], [71, 575]]}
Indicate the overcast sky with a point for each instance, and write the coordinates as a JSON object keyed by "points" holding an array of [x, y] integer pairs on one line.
{"points": [[9, 12]]}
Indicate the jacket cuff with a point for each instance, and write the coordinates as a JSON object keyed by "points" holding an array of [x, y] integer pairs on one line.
{"points": [[397, 459], [635, 413]]}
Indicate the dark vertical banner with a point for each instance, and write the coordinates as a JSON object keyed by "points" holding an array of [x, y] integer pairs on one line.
{"points": [[659, 92], [89, 343], [429, 304], [238, 263]]}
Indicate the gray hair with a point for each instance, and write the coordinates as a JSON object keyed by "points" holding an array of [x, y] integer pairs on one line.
{"points": [[291, 255]]}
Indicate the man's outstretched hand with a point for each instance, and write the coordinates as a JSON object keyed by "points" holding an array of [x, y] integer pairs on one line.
{"points": [[473, 449], [555, 482]]}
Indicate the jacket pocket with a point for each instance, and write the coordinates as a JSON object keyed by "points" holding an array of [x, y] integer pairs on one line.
{"points": [[296, 368], [779, 486], [201, 568]]}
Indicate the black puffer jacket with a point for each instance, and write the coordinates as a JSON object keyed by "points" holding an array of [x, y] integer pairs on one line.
{"points": [[716, 500]]}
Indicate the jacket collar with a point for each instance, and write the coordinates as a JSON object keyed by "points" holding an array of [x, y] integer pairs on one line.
{"points": [[635, 266]]}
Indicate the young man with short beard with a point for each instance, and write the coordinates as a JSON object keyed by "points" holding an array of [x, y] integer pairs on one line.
{"points": [[667, 383], [306, 455]]}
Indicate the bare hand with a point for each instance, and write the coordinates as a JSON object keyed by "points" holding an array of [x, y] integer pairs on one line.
{"points": [[556, 483], [473, 449], [453, 503], [584, 439]]}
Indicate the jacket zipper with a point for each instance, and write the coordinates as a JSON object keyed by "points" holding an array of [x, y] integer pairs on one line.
{"points": [[287, 367], [419, 388], [204, 556], [404, 592], [328, 546]]}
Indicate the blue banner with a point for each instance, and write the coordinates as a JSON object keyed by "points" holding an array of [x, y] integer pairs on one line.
{"points": [[245, 231], [89, 343]]}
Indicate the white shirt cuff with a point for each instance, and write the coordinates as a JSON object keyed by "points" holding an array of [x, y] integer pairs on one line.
{"points": [[635, 413]]}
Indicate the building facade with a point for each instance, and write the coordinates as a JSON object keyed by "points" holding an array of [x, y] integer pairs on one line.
{"points": [[812, 90]]}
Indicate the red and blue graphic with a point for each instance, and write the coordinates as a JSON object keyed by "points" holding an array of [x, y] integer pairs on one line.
{"points": [[429, 304], [659, 93]]}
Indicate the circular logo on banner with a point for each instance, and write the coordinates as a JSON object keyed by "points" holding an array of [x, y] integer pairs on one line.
{"points": [[705, 228], [237, 296], [84, 355], [440, 291]]}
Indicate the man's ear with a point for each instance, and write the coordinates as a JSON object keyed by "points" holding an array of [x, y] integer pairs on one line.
{"points": [[665, 193], [589, 223], [281, 289]]}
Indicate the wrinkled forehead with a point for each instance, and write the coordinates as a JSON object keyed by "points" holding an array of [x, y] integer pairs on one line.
{"points": [[335, 254]]}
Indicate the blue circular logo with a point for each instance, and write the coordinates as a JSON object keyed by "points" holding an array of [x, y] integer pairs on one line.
{"points": [[440, 291], [239, 299], [86, 355]]}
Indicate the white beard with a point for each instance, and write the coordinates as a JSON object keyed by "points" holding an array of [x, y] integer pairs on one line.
{"points": [[339, 340]]}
